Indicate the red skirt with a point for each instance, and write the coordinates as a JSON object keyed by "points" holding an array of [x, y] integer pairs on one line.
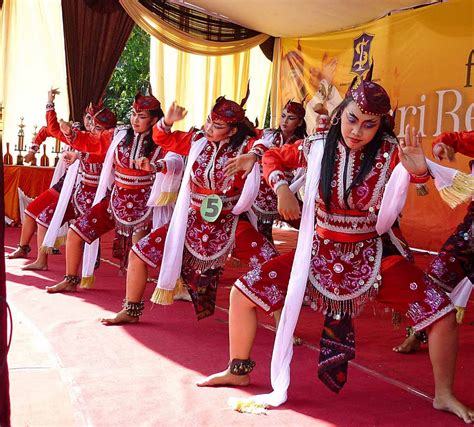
{"points": [[403, 288]]}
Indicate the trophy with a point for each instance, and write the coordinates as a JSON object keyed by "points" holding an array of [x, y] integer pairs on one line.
{"points": [[20, 147]]}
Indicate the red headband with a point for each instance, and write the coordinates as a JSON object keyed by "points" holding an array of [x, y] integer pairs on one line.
{"points": [[145, 103], [295, 108], [227, 111], [105, 118]]}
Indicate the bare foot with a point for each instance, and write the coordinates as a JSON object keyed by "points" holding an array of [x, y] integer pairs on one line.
{"points": [[37, 265], [19, 252], [451, 404], [120, 318], [225, 378], [410, 345], [63, 286]]}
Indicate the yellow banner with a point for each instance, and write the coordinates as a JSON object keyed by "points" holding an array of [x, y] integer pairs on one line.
{"points": [[424, 58]]}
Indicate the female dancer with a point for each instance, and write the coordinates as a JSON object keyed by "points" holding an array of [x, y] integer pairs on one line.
{"points": [[201, 234], [455, 260], [292, 128], [342, 255], [48, 197], [90, 167], [136, 159]]}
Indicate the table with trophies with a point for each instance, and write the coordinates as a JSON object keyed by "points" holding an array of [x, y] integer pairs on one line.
{"points": [[31, 180]]}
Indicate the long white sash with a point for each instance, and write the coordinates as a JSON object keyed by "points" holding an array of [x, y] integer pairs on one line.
{"points": [[173, 251], [63, 202], [105, 182], [283, 347], [166, 183]]}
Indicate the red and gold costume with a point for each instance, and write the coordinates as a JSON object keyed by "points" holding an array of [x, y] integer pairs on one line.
{"points": [[125, 208], [90, 168], [207, 244], [455, 260], [265, 206], [346, 267]]}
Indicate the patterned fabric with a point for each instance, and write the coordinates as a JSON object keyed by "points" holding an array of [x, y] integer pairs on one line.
{"points": [[95, 223], [337, 348], [251, 248], [42, 202], [455, 260]]}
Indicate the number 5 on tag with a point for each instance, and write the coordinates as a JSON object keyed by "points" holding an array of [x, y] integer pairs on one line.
{"points": [[211, 207]]}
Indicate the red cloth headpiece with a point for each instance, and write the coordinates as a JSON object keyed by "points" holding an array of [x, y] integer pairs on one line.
{"points": [[145, 103], [105, 118], [93, 109], [229, 111], [369, 96], [295, 108]]}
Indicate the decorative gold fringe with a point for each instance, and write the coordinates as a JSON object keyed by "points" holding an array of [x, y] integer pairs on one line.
{"points": [[166, 198], [48, 250], [460, 314], [87, 282], [162, 296], [247, 406], [460, 191], [60, 241]]}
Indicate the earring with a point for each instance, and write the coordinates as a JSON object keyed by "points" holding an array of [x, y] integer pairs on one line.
{"points": [[335, 120]]}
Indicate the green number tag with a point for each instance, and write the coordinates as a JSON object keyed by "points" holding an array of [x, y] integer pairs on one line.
{"points": [[211, 207]]}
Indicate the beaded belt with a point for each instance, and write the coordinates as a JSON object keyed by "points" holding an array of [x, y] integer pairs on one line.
{"points": [[133, 181], [89, 179], [227, 202], [346, 225]]}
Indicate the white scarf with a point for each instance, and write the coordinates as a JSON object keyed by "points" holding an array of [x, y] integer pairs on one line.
{"points": [[168, 183], [105, 182], [63, 202], [174, 245], [283, 347]]}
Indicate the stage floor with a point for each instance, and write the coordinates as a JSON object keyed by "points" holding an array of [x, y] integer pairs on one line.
{"points": [[68, 369]]}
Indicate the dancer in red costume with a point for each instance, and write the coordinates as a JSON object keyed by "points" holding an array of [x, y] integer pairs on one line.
{"points": [[134, 161], [201, 234], [50, 196], [455, 260], [292, 128], [341, 253], [90, 167]]}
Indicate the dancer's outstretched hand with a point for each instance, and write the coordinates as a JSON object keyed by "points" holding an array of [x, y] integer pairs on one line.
{"points": [[52, 94], [288, 206], [175, 113], [411, 152], [244, 163]]}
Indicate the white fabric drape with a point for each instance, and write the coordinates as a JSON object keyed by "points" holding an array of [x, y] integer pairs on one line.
{"points": [[32, 61]]}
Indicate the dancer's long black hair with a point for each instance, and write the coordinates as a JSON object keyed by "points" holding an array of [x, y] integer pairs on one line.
{"points": [[245, 129], [329, 156], [148, 145]]}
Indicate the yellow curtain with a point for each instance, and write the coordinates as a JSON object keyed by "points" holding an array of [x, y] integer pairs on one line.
{"points": [[181, 40], [195, 81], [32, 61]]}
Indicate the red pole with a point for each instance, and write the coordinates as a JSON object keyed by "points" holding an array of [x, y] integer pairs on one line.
{"points": [[4, 381]]}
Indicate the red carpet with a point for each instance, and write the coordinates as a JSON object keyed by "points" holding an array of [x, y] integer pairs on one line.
{"points": [[144, 374]]}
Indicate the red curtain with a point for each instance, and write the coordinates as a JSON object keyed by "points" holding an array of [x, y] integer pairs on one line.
{"points": [[4, 382], [95, 33]]}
